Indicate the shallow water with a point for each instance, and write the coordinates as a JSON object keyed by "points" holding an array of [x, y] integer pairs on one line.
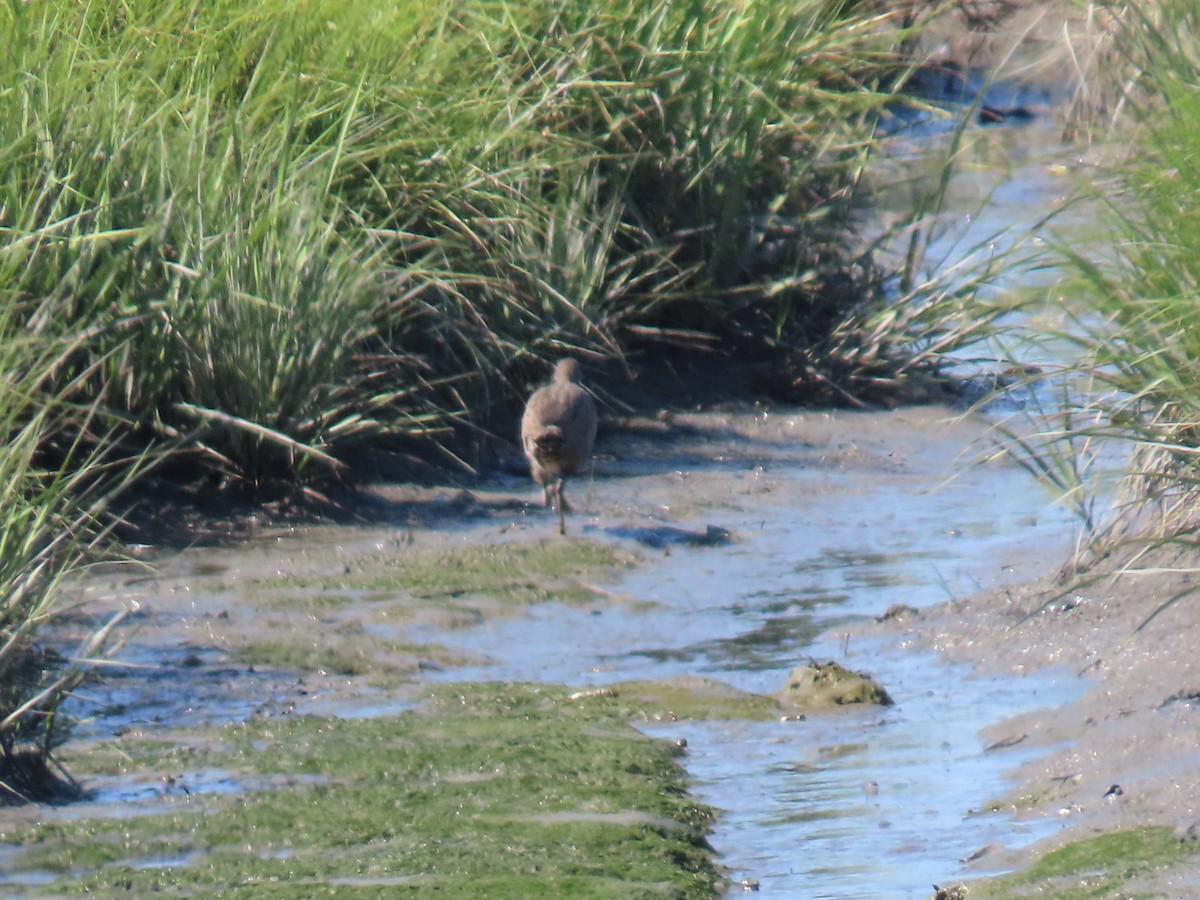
{"points": [[831, 518], [871, 803], [750, 610], [866, 804]]}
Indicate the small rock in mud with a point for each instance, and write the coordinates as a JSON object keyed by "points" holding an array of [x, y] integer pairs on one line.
{"points": [[1189, 833], [826, 685], [596, 692], [898, 611]]}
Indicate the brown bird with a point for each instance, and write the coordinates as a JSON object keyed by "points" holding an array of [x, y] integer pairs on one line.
{"points": [[557, 433]]}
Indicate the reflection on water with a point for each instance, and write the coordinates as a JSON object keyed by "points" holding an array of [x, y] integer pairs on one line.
{"points": [[1012, 189], [1014, 197]]}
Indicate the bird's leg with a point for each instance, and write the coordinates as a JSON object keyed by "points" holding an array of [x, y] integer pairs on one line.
{"points": [[561, 505], [548, 494]]}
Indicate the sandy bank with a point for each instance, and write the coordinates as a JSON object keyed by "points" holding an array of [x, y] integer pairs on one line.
{"points": [[1128, 752]]}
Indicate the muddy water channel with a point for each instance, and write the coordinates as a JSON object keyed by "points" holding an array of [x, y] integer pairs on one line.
{"points": [[834, 518], [758, 540]]}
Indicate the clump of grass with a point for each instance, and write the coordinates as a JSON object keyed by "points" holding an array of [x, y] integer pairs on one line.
{"points": [[1129, 379], [291, 229], [54, 487], [196, 235]]}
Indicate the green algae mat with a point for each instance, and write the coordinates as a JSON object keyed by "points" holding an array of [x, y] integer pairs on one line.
{"points": [[1116, 864], [482, 790]]}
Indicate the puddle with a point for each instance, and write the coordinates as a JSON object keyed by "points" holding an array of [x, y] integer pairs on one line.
{"points": [[166, 862], [130, 796], [126, 797], [118, 796]]}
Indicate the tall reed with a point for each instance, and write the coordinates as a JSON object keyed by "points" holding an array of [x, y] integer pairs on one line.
{"points": [[1132, 379], [56, 483], [297, 226]]}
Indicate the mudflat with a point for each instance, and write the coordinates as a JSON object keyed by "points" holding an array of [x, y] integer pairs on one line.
{"points": [[302, 627], [1127, 753]]}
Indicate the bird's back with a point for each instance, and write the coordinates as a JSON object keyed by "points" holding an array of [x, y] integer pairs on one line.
{"points": [[559, 425]]}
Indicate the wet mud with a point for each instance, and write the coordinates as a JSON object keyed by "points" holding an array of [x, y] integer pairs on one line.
{"points": [[1123, 755], [710, 554]]}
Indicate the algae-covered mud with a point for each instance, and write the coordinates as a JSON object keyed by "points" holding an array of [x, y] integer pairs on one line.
{"points": [[486, 790], [1147, 861]]}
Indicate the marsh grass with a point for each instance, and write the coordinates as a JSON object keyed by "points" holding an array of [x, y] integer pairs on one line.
{"points": [[187, 219], [291, 229], [55, 485], [1124, 400]]}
